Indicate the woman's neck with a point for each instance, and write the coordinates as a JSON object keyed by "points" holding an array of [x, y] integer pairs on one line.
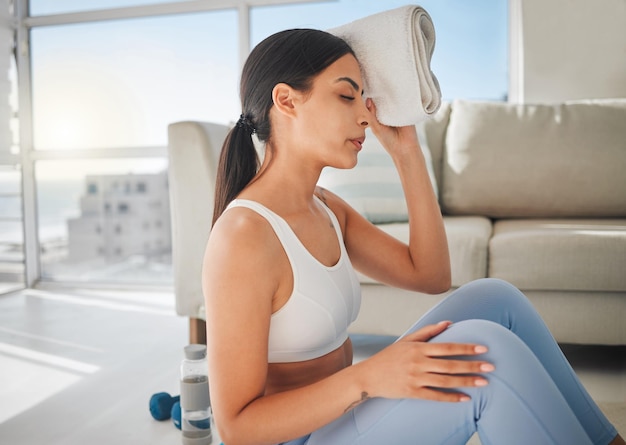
{"points": [[284, 179]]}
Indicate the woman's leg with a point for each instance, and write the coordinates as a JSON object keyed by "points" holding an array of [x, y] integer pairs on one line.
{"points": [[533, 386], [498, 301], [521, 404]]}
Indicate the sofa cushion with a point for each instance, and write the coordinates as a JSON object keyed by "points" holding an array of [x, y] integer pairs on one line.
{"points": [[507, 160], [574, 255], [434, 130], [373, 187], [468, 239]]}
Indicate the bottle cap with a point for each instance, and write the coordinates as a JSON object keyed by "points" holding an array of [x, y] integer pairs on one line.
{"points": [[195, 352]]}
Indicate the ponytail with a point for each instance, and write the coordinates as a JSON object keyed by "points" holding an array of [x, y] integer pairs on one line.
{"points": [[237, 166]]}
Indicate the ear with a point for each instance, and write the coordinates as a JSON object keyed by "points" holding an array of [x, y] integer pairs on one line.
{"points": [[284, 98]]}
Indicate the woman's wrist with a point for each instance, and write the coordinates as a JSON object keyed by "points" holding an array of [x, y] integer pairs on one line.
{"points": [[408, 156], [360, 390]]}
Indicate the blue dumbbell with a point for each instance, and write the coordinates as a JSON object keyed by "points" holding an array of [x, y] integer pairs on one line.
{"points": [[161, 405], [176, 414]]}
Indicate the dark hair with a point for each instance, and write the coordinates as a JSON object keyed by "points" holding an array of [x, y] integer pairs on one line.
{"points": [[293, 57]]}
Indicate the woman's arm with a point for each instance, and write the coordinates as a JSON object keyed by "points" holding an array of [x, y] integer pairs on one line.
{"points": [[423, 265]]}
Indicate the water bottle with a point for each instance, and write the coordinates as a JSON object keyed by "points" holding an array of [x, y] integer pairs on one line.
{"points": [[195, 402]]}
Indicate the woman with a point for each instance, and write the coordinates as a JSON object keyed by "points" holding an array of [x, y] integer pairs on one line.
{"points": [[280, 289]]}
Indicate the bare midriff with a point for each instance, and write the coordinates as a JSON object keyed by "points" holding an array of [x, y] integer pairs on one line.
{"points": [[285, 376]]}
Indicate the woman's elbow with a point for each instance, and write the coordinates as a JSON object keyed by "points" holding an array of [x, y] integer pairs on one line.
{"points": [[232, 434], [231, 437], [433, 283], [442, 284], [444, 280]]}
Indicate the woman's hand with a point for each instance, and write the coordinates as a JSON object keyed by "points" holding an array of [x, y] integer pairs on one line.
{"points": [[411, 368], [394, 139], [423, 264]]}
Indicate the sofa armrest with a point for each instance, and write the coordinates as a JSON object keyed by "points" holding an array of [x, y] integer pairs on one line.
{"points": [[193, 149]]}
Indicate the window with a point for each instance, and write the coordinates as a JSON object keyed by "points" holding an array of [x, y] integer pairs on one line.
{"points": [[120, 83], [114, 86], [79, 232]]}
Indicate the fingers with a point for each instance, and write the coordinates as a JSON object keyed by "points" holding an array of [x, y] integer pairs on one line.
{"points": [[439, 387], [442, 349], [447, 381], [452, 349], [458, 366], [431, 370], [441, 396], [428, 332]]}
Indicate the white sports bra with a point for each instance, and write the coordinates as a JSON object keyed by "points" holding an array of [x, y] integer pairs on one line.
{"points": [[324, 301]]}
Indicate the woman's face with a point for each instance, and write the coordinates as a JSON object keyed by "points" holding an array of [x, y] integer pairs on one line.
{"points": [[333, 117]]}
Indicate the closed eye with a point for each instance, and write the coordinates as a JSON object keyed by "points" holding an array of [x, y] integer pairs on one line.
{"points": [[347, 97]]}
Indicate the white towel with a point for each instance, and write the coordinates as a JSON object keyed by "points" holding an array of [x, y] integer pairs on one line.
{"points": [[394, 49]]}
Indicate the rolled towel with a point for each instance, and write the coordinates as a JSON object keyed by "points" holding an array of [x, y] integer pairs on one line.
{"points": [[394, 49]]}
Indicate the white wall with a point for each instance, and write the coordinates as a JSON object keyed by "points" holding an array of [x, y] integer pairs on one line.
{"points": [[570, 49]]}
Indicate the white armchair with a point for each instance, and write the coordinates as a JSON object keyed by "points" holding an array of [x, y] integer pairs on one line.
{"points": [[194, 149]]}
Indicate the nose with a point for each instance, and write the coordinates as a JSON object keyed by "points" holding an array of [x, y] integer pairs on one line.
{"points": [[365, 115]]}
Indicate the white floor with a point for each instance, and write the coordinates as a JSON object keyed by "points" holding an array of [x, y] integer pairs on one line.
{"points": [[79, 366]]}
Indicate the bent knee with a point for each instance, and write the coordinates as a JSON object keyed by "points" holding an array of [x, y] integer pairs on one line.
{"points": [[495, 290], [498, 339]]}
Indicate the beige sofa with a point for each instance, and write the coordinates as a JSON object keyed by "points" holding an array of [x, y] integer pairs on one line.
{"points": [[533, 194]]}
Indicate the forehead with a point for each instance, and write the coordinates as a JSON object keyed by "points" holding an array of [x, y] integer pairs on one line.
{"points": [[344, 67]]}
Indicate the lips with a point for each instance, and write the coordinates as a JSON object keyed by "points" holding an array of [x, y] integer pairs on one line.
{"points": [[358, 142]]}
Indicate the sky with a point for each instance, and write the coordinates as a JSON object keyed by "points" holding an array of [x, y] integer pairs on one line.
{"points": [[120, 83]]}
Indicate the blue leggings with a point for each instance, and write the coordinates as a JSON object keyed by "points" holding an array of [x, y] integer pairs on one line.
{"points": [[533, 396]]}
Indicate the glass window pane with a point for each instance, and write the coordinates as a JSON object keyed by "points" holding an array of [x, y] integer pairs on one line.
{"points": [[14, 107], [45, 7], [120, 83], [105, 221], [8, 90], [11, 230], [471, 51], [10, 206]]}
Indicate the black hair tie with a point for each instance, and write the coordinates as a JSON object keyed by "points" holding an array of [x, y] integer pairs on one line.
{"points": [[246, 124]]}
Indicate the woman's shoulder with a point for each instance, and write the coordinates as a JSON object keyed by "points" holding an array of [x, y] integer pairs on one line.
{"points": [[240, 223], [242, 231]]}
